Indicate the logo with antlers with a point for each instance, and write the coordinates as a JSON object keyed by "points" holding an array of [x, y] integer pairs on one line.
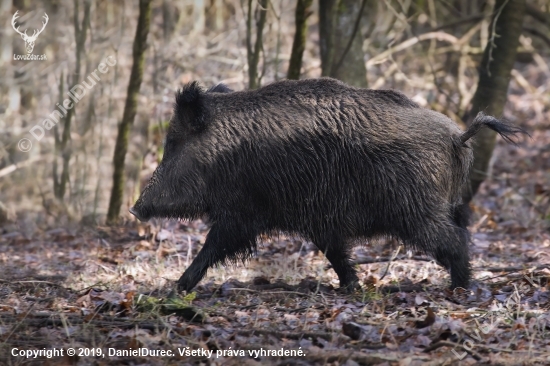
{"points": [[29, 40]]}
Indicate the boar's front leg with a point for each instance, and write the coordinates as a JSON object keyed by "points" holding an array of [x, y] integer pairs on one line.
{"points": [[223, 243], [337, 253]]}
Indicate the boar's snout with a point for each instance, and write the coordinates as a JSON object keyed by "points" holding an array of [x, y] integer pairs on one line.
{"points": [[147, 204], [140, 217]]}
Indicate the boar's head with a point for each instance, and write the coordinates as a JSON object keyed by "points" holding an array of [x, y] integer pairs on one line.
{"points": [[177, 187]]}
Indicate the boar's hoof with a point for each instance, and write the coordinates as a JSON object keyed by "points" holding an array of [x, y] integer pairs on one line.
{"points": [[350, 287], [183, 286], [188, 281]]}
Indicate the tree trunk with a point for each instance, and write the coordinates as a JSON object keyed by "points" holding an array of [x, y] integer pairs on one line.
{"points": [[199, 16], [494, 77], [253, 54], [341, 42], [169, 19], [62, 144], [130, 109], [299, 44], [3, 214]]}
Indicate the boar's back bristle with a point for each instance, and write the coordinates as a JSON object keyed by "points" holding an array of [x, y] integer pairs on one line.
{"points": [[220, 88], [395, 97]]}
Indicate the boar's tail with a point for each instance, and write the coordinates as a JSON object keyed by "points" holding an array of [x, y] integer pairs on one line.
{"points": [[504, 129]]}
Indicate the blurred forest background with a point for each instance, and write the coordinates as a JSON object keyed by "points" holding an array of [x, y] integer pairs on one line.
{"points": [[67, 279], [430, 50]]}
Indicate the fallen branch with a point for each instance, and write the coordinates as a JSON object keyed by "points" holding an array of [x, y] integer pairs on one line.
{"points": [[35, 282], [389, 259], [510, 269], [288, 335], [401, 288], [440, 344], [341, 357], [11, 168]]}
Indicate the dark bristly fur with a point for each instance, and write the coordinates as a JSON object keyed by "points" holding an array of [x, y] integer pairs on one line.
{"points": [[220, 88], [320, 159]]}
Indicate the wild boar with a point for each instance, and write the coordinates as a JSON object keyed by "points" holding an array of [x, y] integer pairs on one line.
{"points": [[319, 159]]}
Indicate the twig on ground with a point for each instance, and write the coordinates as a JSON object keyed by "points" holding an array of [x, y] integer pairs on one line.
{"points": [[440, 344]]}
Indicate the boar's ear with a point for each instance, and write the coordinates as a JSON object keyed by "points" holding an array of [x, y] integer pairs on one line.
{"points": [[220, 88], [189, 108]]}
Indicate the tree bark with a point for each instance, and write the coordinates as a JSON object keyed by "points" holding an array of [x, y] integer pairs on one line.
{"points": [[494, 77], [130, 109], [3, 214], [199, 16], [253, 54], [299, 44], [62, 144], [341, 42], [169, 19]]}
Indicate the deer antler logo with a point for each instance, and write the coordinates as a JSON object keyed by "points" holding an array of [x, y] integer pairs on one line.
{"points": [[29, 40]]}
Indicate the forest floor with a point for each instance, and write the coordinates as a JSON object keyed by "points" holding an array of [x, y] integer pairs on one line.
{"points": [[99, 291]]}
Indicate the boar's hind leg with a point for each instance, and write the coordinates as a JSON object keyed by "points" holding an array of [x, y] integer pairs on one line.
{"points": [[337, 253], [456, 259], [448, 244], [222, 243], [461, 272]]}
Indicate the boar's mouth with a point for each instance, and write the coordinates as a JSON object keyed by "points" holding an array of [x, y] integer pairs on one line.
{"points": [[141, 218]]}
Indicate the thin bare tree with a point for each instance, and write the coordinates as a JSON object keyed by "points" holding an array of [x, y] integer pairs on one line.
{"points": [[299, 45], [494, 77], [62, 143], [253, 53], [130, 109], [342, 55]]}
